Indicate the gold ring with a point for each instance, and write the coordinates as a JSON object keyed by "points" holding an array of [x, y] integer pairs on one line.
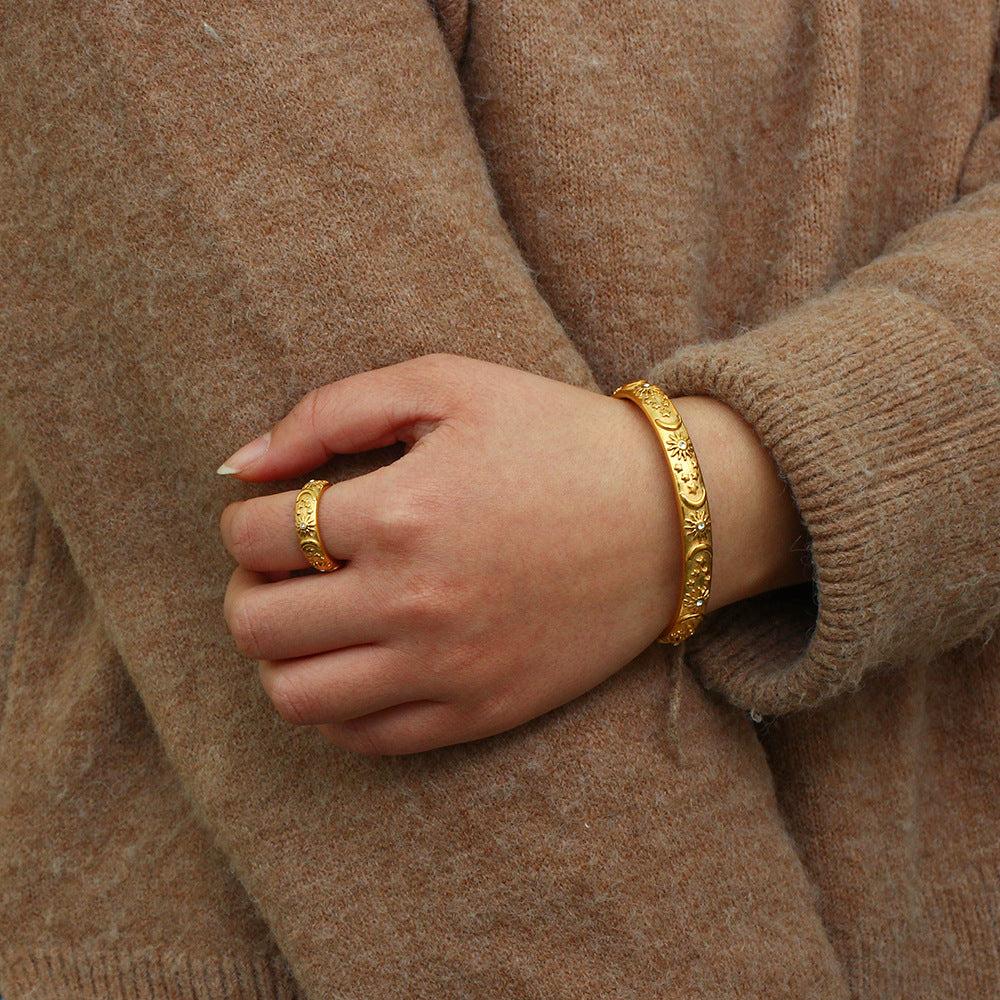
{"points": [[307, 527]]}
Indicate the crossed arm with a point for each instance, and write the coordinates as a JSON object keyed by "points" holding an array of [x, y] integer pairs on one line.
{"points": [[180, 216], [524, 549]]}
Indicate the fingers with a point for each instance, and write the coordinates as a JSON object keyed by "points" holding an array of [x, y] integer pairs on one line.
{"points": [[370, 410], [408, 728], [260, 533], [356, 700], [367, 697], [279, 620], [334, 687], [314, 666]]}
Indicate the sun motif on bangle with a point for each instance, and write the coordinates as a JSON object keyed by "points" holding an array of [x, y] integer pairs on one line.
{"points": [[697, 524], [677, 446]]}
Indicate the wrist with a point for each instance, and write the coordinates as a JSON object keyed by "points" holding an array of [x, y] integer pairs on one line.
{"points": [[759, 541]]}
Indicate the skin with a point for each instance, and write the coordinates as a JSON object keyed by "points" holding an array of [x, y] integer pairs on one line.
{"points": [[524, 549]]}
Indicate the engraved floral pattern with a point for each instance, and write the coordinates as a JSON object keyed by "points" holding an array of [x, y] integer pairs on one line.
{"points": [[684, 629], [696, 596], [306, 509]]}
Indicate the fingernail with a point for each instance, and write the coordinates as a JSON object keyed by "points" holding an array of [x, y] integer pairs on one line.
{"points": [[247, 455]]}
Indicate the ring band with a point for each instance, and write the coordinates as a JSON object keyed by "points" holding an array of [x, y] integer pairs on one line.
{"points": [[307, 527]]}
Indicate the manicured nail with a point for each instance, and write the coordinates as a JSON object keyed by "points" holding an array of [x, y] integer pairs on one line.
{"points": [[247, 455]]}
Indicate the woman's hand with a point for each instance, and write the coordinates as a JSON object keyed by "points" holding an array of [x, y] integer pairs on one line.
{"points": [[524, 549]]}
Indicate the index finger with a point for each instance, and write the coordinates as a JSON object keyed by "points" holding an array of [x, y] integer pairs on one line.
{"points": [[370, 410]]}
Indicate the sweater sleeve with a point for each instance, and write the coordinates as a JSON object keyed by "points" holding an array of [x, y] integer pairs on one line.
{"points": [[880, 403], [205, 210]]}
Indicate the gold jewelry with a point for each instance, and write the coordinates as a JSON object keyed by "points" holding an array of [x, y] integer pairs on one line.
{"points": [[692, 503], [307, 527]]}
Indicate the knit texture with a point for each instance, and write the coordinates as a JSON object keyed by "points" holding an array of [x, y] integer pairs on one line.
{"points": [[208, 209]]}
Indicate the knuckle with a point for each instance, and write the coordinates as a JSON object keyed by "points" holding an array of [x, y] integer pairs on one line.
{"points": [[245, 623], [426, 364], [400, 517], [410, 518], [436, 364], [241, 534], [293, 700], [353, 735], [361, 736], [312, 410], [429, 601], [494, 714], [440, 375]]}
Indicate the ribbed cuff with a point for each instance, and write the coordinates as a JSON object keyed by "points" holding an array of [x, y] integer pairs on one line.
{"points": [[882, 418], [60, 974]]}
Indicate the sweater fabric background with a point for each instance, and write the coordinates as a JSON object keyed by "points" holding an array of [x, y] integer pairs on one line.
{"points": [[207, 209]]}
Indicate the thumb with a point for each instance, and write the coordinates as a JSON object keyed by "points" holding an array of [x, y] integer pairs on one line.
{"points": [[371, 410]]}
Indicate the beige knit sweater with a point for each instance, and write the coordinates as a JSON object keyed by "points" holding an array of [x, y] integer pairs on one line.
{"points": [[208, 208]]}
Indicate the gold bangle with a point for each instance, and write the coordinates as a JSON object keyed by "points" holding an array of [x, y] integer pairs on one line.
{"points": [[692, 505]]}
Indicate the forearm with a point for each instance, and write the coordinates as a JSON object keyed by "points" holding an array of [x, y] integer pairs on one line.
{"points": [[216, 229], [877, 402], [758, 539]]}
